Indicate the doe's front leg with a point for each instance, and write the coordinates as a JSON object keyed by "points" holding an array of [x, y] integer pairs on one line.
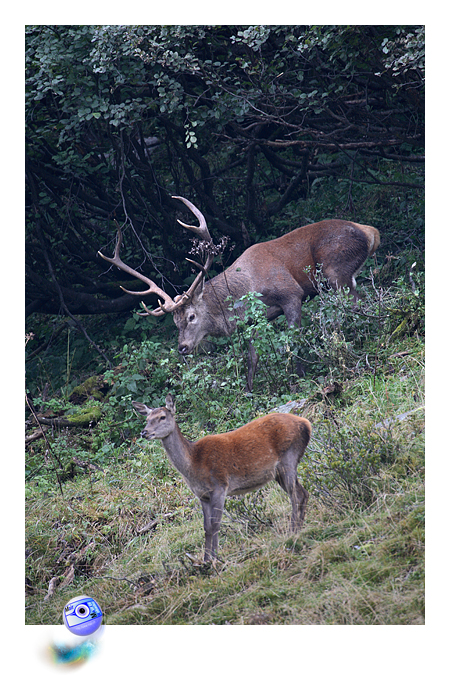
{"points": [[212, 517]]}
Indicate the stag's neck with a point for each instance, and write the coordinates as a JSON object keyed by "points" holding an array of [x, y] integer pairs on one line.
{"points": [[179, 451], [217, 293]]}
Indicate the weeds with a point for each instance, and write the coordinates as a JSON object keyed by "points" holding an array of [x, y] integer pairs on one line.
{"points": [[124, 526], [364, 567]]}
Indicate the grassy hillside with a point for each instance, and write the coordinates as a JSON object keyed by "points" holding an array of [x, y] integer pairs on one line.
{"points": [[129, 532], [107, 515]]}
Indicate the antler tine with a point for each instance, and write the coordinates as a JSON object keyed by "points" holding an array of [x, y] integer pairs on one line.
{"points": [[169, 304], [202, 230], [154, 312]]}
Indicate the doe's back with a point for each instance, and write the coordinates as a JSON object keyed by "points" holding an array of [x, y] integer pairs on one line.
{"points": [[264, 439]]}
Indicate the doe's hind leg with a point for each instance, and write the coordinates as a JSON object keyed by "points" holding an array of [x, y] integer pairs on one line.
{"points": [[299, 506], [286, 477]]}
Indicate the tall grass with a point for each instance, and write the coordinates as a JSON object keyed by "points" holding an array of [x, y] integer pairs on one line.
{"points": [[112, 518], [132, 536]]}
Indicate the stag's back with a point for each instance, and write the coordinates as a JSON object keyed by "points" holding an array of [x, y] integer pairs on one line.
{"points": [[329, 243]]}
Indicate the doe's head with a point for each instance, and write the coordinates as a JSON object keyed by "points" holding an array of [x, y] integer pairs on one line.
{"points": [[160, 421]]}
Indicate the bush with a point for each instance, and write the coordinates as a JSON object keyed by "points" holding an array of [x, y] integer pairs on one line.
{"points": [[346, 340], [344, 462]]}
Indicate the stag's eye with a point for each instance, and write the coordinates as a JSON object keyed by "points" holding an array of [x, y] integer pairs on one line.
{"points": [[191, 317]]}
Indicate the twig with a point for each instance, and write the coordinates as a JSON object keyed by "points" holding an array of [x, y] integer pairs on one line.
{"points": [[51, 587], [411, 280], [53, 336], [78, 324], [87, 465], [49, 447], [33, 437], [133, 583], [150, 526]]}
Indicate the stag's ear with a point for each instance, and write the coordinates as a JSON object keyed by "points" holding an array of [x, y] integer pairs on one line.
{"points": [[170, 404], [141, 408], [198, 292]]}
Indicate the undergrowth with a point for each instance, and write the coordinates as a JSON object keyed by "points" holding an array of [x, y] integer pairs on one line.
{"points": [[109, 516]]}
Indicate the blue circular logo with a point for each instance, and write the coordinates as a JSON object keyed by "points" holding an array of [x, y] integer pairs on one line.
{"points": [[82, 615]]}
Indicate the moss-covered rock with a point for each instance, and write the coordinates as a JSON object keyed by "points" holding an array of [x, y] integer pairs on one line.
{"points": [[85, 416], [94, 387]]}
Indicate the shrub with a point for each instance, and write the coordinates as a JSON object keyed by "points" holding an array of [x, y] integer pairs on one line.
{"points": [[344, 461]]}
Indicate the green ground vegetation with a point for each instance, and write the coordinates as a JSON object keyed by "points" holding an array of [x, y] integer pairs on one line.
{"points": [[107, 515]]}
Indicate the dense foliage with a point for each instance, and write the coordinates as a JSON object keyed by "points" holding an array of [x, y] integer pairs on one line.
{"points": [[244, 121]]}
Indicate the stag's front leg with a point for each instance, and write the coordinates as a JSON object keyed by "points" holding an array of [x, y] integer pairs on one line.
{"points": [[252, 362]]}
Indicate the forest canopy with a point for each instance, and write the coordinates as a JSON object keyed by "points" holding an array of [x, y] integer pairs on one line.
{"points": [[242, 120]]}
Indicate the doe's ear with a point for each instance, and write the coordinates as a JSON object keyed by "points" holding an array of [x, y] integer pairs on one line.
{"points": [[141, 408], [170, 404]]}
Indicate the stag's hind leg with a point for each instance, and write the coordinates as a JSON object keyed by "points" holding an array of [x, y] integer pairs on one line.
{"points": [[252, 362], [345, 276]]}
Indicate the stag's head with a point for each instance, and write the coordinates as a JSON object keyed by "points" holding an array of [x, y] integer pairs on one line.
{"points": [[187, 307], [191, 321]]}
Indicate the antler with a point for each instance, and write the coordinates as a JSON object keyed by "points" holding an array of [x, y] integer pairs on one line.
{"points": [[168, 305], [152, 287], [201, 231]]}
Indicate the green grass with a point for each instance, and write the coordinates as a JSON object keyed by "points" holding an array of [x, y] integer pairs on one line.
{"points": [[366, 568], [132, 534]]}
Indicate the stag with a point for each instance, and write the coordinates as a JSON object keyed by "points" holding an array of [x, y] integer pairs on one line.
{"points": [[282, 271], [233, 463]]}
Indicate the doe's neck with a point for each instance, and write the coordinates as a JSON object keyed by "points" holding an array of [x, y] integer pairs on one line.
{"points": [[178, 449]]}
